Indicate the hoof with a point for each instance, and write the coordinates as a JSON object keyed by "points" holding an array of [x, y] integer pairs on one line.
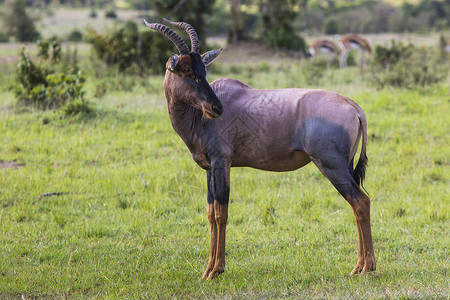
{"points": [[206, 274], [368, 267], [211, 274], [357, 270], [364, 265]]}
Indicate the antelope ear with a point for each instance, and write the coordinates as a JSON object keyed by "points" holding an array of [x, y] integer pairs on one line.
{"points": [[209, 56], [173, 62]]}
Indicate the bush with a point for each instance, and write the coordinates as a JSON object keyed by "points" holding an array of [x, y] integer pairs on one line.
{"points": [[283, 37], [57, 90], [405, 65], [41, 86], [314, 69], [111, 14], [331, 27], [75, 36], [129, 50], [3, 38]]}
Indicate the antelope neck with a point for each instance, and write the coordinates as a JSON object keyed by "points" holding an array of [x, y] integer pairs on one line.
{"points": [[188, 122]]}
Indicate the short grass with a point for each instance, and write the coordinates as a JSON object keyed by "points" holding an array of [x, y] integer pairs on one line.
{"points": [[77, 220]]}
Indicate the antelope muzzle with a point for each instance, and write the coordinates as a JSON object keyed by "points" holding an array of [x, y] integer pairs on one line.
{"points": [[212, 111]]}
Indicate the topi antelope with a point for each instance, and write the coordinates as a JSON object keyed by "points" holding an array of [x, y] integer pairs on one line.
{"points": [[229, 124], [353, 42]]}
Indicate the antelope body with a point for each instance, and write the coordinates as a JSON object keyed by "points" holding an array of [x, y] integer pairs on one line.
{"points": [[324, 46], [353, 42], [229, 124]]}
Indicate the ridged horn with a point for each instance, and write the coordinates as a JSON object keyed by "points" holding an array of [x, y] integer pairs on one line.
{"points": [[190, 31], [171, 35]]}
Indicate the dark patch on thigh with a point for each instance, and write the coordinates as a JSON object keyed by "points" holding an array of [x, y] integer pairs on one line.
{"points": [[328, 145], [323, 140]]}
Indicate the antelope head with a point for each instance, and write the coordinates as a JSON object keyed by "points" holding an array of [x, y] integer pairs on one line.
{"points": [[185, 78]]}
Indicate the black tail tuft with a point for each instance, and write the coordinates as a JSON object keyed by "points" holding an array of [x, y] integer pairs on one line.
{"points": [[360, 171]]}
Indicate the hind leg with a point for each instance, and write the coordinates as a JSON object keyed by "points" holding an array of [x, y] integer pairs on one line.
{"points": [[361, 209], [366, 256], [338, 174]]}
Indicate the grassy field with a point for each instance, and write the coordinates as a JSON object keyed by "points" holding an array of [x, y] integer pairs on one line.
{"points": [[77, 221]]}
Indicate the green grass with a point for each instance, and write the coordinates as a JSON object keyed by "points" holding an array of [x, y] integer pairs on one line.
{"points": [[106, 235]]}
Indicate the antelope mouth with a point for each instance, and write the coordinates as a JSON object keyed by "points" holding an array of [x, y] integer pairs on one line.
{"points": [[211, 111]]}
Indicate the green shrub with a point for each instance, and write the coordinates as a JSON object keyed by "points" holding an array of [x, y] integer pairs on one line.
{"points": [[75, 36], [44, 47], [29, 75], [3, 38], [405, 65], [130, 50], [283, 37], [100, 90], [388, 56], [111, 14], [314, 69], [331, 27], [58, 90], [43, 87], [78, 107]]}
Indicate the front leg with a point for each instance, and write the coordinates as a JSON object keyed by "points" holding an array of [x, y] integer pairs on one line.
{"points": [[213, 237], [218, 179]]}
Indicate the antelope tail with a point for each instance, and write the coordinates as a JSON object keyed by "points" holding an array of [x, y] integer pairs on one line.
{"points": [[360, 170]]}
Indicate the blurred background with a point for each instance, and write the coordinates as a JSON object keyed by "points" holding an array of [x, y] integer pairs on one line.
{"points": [[280, 23], [409, 40]]}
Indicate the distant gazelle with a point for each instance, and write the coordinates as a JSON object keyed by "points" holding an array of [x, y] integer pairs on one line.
{"points": [[353, 42], [325, 47], [229, 124]]}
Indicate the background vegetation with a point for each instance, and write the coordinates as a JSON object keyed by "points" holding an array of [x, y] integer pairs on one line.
{"points": [[278, 23], [99, 198]]}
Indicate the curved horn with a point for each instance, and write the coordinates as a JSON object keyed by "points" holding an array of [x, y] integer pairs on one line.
{"points": [[190, 30], [171, 35]]}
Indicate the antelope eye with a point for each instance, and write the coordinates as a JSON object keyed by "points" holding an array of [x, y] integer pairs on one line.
{"points": [[186, 70]]}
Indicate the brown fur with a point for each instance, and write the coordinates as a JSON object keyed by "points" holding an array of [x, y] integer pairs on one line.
{"points": [[347, 43], [324, 43], [346, 40]]}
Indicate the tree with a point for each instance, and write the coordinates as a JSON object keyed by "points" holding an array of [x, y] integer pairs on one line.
{"points": [[278, 17], [17, 22], [193, 12], [235, 25]]}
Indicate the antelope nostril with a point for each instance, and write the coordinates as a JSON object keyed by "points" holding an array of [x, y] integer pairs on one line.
{"points": [[218, 109]]}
